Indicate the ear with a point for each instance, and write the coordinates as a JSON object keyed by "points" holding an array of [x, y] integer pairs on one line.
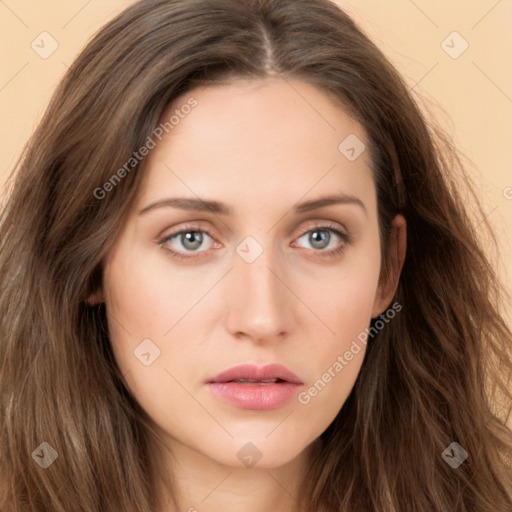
{"points": [[95, 287], [95, 297], [390, 276]]}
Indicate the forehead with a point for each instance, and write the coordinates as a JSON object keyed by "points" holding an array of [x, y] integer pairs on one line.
{"points": [[278, 112], [258, 139]]}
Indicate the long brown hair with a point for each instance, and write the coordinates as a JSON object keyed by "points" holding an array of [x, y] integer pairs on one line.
{"points": [[436, 374]]}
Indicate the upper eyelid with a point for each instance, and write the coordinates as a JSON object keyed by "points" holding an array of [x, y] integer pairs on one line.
{"points": [[312, 224], [185, 229], [315, 225], [326, 225]]}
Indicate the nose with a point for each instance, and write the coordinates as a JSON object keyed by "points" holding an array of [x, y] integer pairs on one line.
{"points": [[260, 305]]}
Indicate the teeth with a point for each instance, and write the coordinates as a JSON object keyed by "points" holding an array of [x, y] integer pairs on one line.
{"points": [[252, 381]]}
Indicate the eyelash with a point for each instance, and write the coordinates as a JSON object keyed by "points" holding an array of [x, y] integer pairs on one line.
{"points": [[347, 240]]}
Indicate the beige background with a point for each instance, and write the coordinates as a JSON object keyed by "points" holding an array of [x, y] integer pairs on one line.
{"points": [[471, 94]]}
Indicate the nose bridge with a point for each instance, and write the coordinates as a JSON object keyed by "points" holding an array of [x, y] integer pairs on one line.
{"points": [[259, 305]]}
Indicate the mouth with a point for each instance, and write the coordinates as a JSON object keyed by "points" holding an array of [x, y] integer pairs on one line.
{"points": [[250, 374], [253, 387]]}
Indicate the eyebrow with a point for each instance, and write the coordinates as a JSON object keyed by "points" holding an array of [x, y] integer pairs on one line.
{"points": [[204, 205]]}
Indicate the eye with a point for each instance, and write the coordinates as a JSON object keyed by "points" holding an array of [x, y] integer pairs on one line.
{"points": [[192, 241], [326, 240], [187, 240]]}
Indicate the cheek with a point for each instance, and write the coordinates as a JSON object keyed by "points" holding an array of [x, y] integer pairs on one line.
{"points": [[152, 308], [344, 304], [343, 295], [335, 359], [146, 295]]}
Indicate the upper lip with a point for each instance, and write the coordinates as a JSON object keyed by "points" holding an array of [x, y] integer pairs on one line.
{"points": [[253, 372]]}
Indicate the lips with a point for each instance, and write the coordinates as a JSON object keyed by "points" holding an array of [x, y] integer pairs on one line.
{"points": [[254, 387]]}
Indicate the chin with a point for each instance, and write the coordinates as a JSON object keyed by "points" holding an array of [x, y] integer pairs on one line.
{"points": [[260, 452]]}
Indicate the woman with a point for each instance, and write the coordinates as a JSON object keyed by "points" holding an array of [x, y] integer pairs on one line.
{"points": [[236, 272]]}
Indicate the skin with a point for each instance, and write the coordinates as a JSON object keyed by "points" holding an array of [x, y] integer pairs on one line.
{"points": [[260, 147]]}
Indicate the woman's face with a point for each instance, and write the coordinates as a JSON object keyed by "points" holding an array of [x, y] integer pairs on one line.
{"points": [[267, 271]]}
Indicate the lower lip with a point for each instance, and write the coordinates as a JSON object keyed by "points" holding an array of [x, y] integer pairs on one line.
{"points": [[255, 396]]}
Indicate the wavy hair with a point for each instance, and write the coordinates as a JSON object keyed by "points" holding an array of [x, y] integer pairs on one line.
{"points": [[438, 373]]}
